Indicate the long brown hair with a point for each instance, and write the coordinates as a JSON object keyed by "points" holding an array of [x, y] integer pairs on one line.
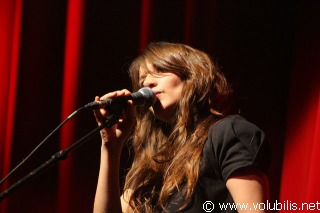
{"points": [[165, 163]]}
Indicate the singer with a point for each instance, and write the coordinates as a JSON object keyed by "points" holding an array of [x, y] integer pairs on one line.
{"points": [[187, 148]]}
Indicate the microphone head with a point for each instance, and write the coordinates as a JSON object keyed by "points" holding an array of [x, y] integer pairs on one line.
{"points": [[147, 96]]}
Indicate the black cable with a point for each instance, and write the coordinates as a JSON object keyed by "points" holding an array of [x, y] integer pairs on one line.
{"points": [[61, 155], [41, 143]]}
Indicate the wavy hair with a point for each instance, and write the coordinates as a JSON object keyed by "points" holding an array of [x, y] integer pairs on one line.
{"points": [[168, 161]]}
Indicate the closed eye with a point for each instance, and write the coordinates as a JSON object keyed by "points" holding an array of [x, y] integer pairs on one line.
{"points": [[141, 80]]}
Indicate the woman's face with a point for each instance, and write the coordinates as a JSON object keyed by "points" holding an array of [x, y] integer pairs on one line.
{"points": [[167, 86]]}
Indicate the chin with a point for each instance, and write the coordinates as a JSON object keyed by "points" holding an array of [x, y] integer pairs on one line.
{"points": [[162, 114]]}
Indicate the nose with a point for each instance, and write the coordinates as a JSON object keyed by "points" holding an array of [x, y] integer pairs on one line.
{"points": [[150, 81]]}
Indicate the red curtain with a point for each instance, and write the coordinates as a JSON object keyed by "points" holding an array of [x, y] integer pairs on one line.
{"points": [[55, 56], [146, 6], [10, 25], [300, 188], [70, 86]]}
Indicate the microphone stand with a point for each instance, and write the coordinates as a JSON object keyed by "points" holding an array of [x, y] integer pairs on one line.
{"points": [[61, 155]]}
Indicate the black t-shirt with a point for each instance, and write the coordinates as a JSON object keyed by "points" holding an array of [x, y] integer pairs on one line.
{"points": [[233, 143]]}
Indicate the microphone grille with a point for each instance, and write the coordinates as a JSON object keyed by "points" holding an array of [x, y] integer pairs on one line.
{"points": [[148, 95]]}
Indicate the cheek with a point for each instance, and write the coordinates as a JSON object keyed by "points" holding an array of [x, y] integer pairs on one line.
{"points": [[178, 87], [175, 84], [177, 94]]}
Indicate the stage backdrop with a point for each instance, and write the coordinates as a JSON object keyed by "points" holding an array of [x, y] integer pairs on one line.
{"points": [[56, 56]]}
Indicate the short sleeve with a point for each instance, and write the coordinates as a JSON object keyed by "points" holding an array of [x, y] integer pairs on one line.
{"points": [[237, 144]]}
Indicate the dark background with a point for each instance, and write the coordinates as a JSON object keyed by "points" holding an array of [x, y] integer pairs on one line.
{"points": [[254, 43]]}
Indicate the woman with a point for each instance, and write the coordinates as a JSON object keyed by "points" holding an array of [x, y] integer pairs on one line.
{"points": [[186, 150]]}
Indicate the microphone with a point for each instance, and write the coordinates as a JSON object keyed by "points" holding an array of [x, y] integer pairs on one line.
{"points": [[143, 97]]}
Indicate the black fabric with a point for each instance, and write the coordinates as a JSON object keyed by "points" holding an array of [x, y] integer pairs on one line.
{"points": [[233, 143]]}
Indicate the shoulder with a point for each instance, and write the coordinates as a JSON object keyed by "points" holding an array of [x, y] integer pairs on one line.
{"points": [[237, 143], [234, 124], [234, 128]]}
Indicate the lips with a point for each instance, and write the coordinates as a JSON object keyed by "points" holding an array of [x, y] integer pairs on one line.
{"points": [[157, 93]]}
